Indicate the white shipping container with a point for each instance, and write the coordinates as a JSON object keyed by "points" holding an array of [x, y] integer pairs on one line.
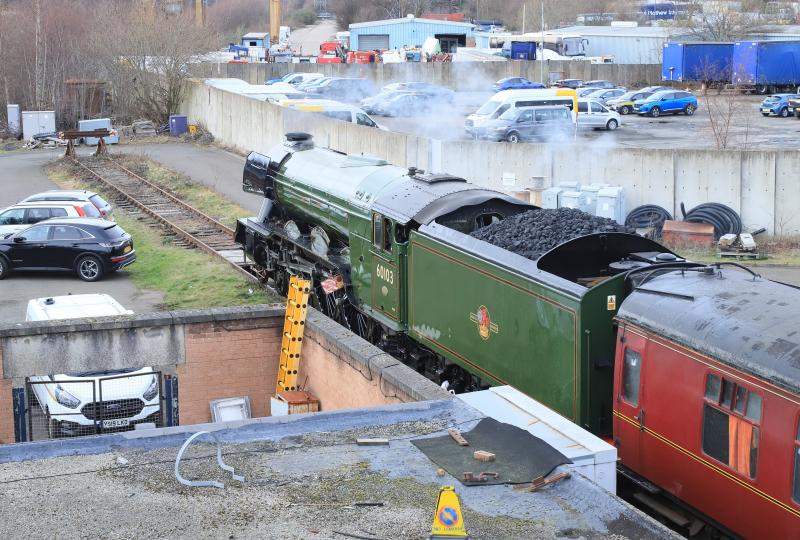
{"points": [[36, 122], [13, 119], [97, 123]]}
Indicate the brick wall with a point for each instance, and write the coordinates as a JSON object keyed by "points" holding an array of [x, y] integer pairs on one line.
{"points": [[7, 408], [228, 359]]}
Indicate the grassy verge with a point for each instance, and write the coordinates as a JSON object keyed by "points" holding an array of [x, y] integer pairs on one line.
{"points": [[201, 197], [776, 253], [188, 278]]}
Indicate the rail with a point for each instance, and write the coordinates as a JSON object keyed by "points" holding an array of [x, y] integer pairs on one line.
{"points": [[189, 223]]}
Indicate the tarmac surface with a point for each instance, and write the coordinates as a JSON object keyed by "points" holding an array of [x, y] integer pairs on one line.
{"points": [[306, 41], [22, 174]]}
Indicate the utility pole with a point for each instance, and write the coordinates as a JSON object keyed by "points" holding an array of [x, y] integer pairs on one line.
{"points": [[199, 13], [274, 20], [541, 60]]}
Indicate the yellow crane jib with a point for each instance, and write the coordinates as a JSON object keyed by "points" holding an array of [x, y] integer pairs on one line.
{"points": [[293, 327]]}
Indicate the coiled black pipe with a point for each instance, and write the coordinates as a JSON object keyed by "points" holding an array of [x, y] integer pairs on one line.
{"points": [[724, 218], [646, 216]]}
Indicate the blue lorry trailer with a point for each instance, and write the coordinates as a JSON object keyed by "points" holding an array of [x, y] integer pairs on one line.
{"points": [[708, 62], [767, 66]]}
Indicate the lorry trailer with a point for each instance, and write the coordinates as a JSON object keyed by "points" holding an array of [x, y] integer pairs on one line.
{"points": [[701, 61], [767, 66]]}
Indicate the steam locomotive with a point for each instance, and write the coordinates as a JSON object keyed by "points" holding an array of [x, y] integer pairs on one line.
{"points": [[692, 370]]}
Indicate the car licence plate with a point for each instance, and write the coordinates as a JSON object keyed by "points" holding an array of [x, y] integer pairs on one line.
{"points": [[764, 110], [127, 249], [116, 422]]}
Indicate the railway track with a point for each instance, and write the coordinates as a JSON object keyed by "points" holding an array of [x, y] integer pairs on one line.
{"points": [[185, 225]]}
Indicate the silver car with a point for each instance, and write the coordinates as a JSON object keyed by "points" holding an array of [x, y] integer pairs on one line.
{"points": [[604, 95], [75, 195], [594, 115]]}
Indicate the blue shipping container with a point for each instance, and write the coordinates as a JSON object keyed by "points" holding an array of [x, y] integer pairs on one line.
{"points": [[705, 62], [178, 125], [767, 63], [523, 50]]}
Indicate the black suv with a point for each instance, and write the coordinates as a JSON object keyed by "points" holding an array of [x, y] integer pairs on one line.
{"points": [[88, 247]]}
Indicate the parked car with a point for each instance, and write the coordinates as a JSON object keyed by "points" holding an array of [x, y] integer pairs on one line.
{"points": [[624, 104], [604, 95], [369, 103], [593, 114], [529, 123], [654, 89], [296, 79], [794, 104], [87, 246], [585, 91], [439, 93], [22, 215], [71, 402], [515, 83], [343, 89], [569, 83], [600, 83], [332, 109], [313, 83], [81, 195], [778, 105], [666, 102], [404, 105]]}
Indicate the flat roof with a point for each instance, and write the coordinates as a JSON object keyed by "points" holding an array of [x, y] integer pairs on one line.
{"points": [[410, 20], [304, 477], [635, 31]]}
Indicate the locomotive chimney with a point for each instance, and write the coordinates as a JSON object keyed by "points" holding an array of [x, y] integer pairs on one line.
{"points": [[299, 141]]}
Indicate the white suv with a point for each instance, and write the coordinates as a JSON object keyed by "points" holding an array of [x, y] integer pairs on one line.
{"points": [[20, 216], [97, 401], [70, 195]]}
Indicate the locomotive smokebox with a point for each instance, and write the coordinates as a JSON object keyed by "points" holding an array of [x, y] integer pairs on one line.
{"points": [[299, 141]]}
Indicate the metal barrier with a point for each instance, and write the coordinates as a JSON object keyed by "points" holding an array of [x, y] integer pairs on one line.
{"points": [[92, 404]]}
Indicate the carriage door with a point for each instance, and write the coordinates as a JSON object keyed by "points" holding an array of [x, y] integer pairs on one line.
{"points": [[385, 276], [630, 417]]}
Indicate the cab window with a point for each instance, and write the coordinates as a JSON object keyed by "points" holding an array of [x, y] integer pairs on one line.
{"points": [[387, 235], [631, 376], [377, 230], [731, 424], [597, 108]]}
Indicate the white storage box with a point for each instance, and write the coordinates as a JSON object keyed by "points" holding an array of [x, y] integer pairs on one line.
{"points": [[573, 199], [550, 197], [590, 191], [36, 122], [611, 203]]}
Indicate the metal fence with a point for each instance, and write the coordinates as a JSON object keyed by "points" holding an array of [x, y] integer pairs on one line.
{"points": [[53, 407]]}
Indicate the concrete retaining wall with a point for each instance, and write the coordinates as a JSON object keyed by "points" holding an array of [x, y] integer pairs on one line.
{"points": [[464, 76], [217, 353], [760, 185]]}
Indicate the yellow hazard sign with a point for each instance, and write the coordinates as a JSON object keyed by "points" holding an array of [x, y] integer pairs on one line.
{"points": [[448, 521]]}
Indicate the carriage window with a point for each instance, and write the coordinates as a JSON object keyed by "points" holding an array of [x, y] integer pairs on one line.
{"points": [[377, 230], [631, 375], [796, 479], [730, 426]]}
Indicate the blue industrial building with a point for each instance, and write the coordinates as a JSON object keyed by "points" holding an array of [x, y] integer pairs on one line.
{"points": [[408, 32]]}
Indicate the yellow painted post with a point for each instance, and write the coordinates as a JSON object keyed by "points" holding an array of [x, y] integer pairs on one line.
{"points": [[293, 327]]}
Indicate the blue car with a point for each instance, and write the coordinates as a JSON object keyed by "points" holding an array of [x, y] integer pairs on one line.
{"points": [[778, 105], [515, 83], [667, 101]]}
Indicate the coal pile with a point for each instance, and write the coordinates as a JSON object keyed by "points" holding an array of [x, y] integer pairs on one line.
{"points": [[533, 233]]}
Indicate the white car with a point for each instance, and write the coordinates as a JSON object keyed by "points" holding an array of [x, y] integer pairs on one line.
{"points": [[594, 115], [20, 216], [73, 195], [97, 401]]}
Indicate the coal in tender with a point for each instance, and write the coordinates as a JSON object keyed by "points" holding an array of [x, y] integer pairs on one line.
{"points": [[533, 233]]}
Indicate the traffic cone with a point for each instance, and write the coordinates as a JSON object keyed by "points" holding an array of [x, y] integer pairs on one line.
{"points": [[448, 521]]}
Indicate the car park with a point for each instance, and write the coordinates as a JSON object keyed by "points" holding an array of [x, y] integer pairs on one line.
{"points": [[89, 247], [438, 93], [332, 109], [528, 124], [404, 104], [81, 195], [22, 215], [600, 83], [343, 89], [368, 104], [624, 104], [296, 79], [313, 83], [569, 83], [515, 83], [111, 400], [666, 102], [593, 114], [604, 95], [778, 105]]}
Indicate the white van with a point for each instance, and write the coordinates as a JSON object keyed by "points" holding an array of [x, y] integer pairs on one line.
{"points": [[332, 109], [74, 306], [594, 115], [502, 101]]}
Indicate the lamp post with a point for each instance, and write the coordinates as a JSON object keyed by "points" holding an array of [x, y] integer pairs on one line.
{"points": [[541, 60]]}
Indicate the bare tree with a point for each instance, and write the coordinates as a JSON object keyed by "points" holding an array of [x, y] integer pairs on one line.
{"points": [[717, 21]]}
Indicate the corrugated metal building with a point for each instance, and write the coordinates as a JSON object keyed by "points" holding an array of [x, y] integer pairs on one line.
{"points": [[628, 45], [408, 32]]}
